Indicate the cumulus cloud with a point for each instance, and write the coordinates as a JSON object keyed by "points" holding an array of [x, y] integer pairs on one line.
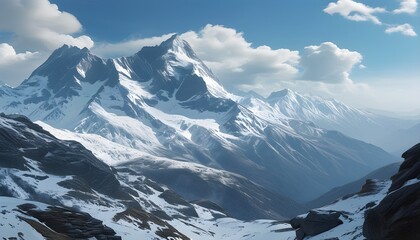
{"points": [[354, 11], [14, 67], [8, 54], [36, 27], [407, 6], [38, 24], [239, 64], [405, 29], [328, 63], [127, 48]]}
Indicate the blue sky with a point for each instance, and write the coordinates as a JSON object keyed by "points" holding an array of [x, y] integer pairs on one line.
{"points": [[291, 24], [386, 71]]}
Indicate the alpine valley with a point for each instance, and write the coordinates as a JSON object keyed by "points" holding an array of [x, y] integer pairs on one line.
{"points": [[152, 146]]}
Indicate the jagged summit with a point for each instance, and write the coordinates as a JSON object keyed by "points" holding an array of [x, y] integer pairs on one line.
{"points": [[173, 69], [65, 54], [69, 49], [173, 42], [178, 45], [68, 66], [280, 94], [170, 47]]}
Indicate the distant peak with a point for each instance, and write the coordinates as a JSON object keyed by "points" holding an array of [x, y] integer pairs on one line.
{"points": [[281, 94]]}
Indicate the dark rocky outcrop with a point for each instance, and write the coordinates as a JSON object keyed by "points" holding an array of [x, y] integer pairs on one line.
{"points": [[143, 220], [23, 140], [397, 216], [315, 222], [64, 223], [32, 153]]}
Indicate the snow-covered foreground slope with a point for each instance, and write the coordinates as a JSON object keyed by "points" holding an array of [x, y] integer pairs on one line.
{"points": [[382, 209], [236, 194], [19, 224], [353, 211], [55, 188], [164, 102]]}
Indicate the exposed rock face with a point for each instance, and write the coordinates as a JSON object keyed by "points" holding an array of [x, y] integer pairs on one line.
{"points": [[23, 140], [397, 216], [65, 223], [315, 223], [74, 185]]}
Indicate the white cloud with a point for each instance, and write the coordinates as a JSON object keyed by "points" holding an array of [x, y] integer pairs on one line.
{"points": [[38, 24], [8, 54], [405, 29], [37, 27], [407, 6], [15, 67], [328, 63], [354, 11], [127, 48], [239, 64]]}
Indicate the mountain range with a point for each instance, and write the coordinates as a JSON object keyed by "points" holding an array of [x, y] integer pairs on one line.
{"points": [[153, 143], [165, 102]]}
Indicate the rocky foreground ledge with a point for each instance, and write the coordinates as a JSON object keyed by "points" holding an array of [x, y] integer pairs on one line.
{"points": [[380, 210], [397, 216]]}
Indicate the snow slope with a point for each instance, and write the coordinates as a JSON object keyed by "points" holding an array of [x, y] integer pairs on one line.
{"points": [[382, 209], [47, 180]]}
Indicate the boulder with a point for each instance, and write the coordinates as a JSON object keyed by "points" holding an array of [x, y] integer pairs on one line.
{"points": [[316, 222]]}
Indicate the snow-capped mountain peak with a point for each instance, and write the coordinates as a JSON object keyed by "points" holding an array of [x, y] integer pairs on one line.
{"points": [[172, 69], [68, 66], [281, 94], [165, 102], [177, 45], [305, 107]]}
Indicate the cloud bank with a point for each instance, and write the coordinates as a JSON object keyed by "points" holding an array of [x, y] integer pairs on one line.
{"points": [[37, 27], [237, 62], [38, 24]]}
